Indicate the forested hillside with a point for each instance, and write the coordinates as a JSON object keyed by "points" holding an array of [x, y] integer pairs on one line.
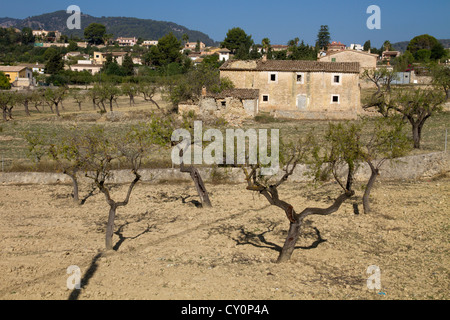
{"points": [[118, 26]]}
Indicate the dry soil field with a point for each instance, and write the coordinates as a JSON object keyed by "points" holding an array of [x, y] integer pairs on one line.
{"points": [[167, 248]]}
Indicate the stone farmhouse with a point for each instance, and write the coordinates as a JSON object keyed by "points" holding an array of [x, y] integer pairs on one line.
{"points": [[366, 60], [300, 89]]}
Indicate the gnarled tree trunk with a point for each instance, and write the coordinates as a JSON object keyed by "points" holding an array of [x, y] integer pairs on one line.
{"points": [[373, 176], [295, 226], [199, 185]]}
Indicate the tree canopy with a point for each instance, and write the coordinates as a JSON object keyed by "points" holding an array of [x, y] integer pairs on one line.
{"points": [[94, 33], [237, 40], [323, 37]]}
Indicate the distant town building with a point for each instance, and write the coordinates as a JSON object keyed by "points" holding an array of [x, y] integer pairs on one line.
{"points": [[124, 42], [86, 65], [19, 76], [100, 57], [224, 54], [279, 47], [149, 43], [336, 46], [41, 34], [357, 47], [35, 67], [387, 55], [193, 46]]}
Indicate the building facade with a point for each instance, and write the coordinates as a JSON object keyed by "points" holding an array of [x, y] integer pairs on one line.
{"points": [[365, 59], [18, 76], [300, 89]]}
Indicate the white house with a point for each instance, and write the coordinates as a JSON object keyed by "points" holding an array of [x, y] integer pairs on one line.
{"points": [[224, 54], [126, 41], [149, 43]]}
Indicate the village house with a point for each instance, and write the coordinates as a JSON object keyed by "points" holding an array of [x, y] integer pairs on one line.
{"points": [[19, 76], [86, 65], [75, 54], [193, 45], [124, 42], [366, 60], [41, 34], [388, 55], [279, 47], [35, 67], [335, 46], [224, 54], [149, 43], [300, 89], [357, 47], [100, 57]]}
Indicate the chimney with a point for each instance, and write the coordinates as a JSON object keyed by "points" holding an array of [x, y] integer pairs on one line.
{"points": [[264, 57]]}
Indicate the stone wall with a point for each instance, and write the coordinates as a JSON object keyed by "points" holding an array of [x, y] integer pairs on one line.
{"points": [[408, 168]]}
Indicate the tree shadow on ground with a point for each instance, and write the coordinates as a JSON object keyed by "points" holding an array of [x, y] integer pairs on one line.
{"points": [[75, 294], [259, 240], [122, 239]]}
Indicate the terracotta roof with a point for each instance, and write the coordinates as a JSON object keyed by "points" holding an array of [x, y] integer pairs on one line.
{"points": [[12, 68], [32, 65], [350, 50], [87, 66], [243, 94], [291, 66]]}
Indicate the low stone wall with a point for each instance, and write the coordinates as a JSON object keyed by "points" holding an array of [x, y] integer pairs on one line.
{"points": [[408, 168], [315, 115]]}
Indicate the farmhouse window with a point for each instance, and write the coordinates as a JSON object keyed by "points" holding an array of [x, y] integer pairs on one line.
{"points": [[337, 79], [273, 77]]}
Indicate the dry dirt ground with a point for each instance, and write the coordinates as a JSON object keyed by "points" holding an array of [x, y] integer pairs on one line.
{"points": [[168, 248]]}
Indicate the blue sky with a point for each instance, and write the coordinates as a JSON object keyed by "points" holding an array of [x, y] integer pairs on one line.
{"points": [[279, 20]]}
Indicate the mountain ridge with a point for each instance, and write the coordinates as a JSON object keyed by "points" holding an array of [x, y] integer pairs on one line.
{"points": [[148, 29]]}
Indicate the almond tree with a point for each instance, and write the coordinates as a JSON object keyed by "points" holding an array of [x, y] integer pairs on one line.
{"points": [[148, 91], [385, 141], [7, 102], [415, 105], [108, 92], [79, 97], [130, 90], [100, 151], [55, 97], [341, 150], [60, 148]]}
